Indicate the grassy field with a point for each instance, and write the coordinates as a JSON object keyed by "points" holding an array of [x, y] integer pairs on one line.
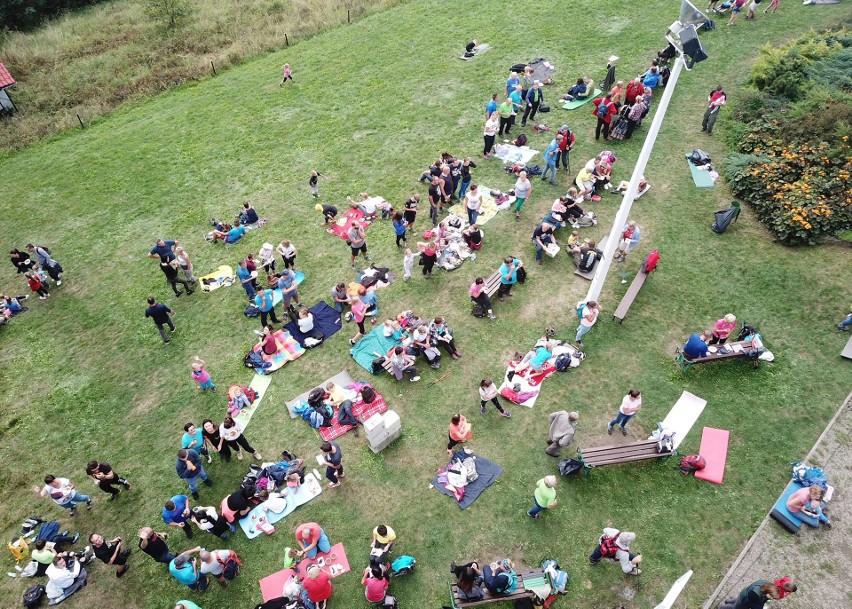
{"points": [[84, 375]]}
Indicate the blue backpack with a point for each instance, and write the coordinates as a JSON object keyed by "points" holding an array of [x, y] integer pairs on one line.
{"points": [[558, 578]]}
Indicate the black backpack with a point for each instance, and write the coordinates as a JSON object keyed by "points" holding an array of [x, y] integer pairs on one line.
{"points": [[478, 310], [521, 141], [377, 367], [699, 157], [33, 596], [563, 362], [251, 311]]}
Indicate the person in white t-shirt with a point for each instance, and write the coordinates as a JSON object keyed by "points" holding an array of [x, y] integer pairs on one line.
{"points": [[630, 406], [213, 563], [588, 316], [64, 577], [63, 493]]}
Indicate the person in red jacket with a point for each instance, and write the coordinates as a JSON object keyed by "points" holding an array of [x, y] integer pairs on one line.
{"points": [[604, 111], [565, 146], [317, 587], [633, 89], [37, 286]]}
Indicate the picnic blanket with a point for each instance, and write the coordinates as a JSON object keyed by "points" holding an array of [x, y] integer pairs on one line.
{"points": [[480, 48], [361, 410], [365, 350], [223, 276], [288, 350], [341, 379], [309, 489], [489, 207], [278, 295], [260, 383], [509, 153], [701, 177], [683, 416], [326, 320], [341, 226], [528, 381], [334, 563], [576, 103], [488, 473]]}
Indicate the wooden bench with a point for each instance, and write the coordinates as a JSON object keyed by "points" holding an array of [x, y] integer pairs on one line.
{"points": [[738, 351], [623, 453], [536, 577], [630, 296], [492, 284]]}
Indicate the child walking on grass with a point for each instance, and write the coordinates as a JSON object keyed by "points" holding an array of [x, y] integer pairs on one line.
{"points": [[200, 374], [288, 73], [314, 181], [407, 264], [37, 286]]}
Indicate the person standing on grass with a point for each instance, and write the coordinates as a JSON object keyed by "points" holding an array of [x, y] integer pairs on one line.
{"points": [[504, 111], [535, 97], [523, 190], [358, 311], [550, 159], [736, 10], [508, 277], [512, 82], [544, 497], [289, 288], [43, 257], [604, 111], [357, 242], [213, 440], [21, 261], [465, 176], [288, 254], [565, 146], [185, 570], [313, 182], [185, 263], [37, 286], [193, 439], [163, 248], [162, 315], [312, 539], [288, 75], [154, 545], [774, 4], [517, 98], [588, 316], [631, 404], [715, 101], [399, 227], [488, 393], [614, 545], [428, 254], [170, 270], [490, 134], [63, 493], [213, 563], [264, 301], [106, 478], [410, 212], [200, 375], [246, 280], [723, 328], [491, 106], [111, 552], [333, 456], [232, 434], [563, 425], [189, 467], [753, 596], [176, 513], [460, 431]]}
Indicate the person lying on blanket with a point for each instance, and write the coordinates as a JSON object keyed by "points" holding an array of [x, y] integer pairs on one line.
{"points": [[273, 502], [337, 394], [232, 236], [536, 359], [365, 204]]}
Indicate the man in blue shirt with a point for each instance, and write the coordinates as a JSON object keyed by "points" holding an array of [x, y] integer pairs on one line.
{"points": [[517, 102], [550, 158], [289, 288], [696, 346], [508, 277], [163, 248], [186, 571], [245, 278], [176, 513], [491, 108], [189, 468], [263, 301], [535, 97]]}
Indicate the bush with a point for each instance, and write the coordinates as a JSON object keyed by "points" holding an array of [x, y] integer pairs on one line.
{"points": [[28, 14], [171, 13], [784, 71]]}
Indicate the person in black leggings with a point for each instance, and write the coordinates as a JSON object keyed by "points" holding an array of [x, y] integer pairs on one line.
{"points": [[213, 439], [232, 433], [106, 478], [428, 254]]}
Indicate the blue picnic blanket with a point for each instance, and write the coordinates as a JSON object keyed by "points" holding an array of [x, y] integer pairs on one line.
{"points": [[365, 349], [488, 473], [326, 320]]}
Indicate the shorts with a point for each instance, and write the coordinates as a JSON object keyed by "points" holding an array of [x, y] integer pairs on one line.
{"points": [[737, 9], [409, 216], [361, 248]]}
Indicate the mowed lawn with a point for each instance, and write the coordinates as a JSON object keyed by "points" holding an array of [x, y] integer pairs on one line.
{"points": [[84, 375]]}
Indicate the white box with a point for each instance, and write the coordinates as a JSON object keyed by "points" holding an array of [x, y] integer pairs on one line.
{"points": [[392, 421], [378, 437], [375, 422]]}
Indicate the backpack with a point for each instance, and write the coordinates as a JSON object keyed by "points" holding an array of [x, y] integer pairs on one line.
{"points": [[251, 311], [692, 463], [588, 260], [609, 546], [521, 141], [316, 396], [389, 602], [580, 306], [563, 362], [231, 567], [558, 578], [254, 360], [651, 261], [33, 596], [368, 394], [43, 247], [478, 310], [544, 108], [602, 109], [513, 582], [699, 157], [377, 367]]}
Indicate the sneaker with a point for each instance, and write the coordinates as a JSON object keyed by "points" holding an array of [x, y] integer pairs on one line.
{"points": [[178, 294], [492, 317], [534, 517], [579, 342], [240, 455], [414, 379], [127, 484], [482, 410], [506, 414], [333, 484], [166, 342], [123, 571], [195, 495], [42, 297], [351, 341], [257, 455], [356, 432], [367, 258], [89, 504], [623, 432], [75, 538], [609, 430], [58, 282], [86, 550], [214, 391], [190, 292], [89, 559], [113, 496], [353, 265], [207, 482]]}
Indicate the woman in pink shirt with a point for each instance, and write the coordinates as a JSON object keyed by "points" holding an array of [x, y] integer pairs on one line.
{"points": [[723, 329], [375, 584], [806, 504], [478, 295], [359, 310]]}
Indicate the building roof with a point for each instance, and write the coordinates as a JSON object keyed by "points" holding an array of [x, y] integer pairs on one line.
{"points": [[6, 79]]}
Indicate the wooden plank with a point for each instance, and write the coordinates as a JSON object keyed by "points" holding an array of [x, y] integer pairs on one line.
{"points": [[644, 457], [492, 283], [630, 296]]}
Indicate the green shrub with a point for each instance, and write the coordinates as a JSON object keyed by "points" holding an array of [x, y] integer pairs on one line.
{"points": [[784, 71]]}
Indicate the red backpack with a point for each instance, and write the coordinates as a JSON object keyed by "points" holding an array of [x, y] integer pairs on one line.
{"points": [[609, 546], [692, 463]]}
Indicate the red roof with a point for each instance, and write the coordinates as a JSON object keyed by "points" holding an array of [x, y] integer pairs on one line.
{"points": [[6, 79]]}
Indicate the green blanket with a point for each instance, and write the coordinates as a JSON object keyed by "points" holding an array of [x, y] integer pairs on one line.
{"points": [[701, 177], [365, 350], [576, 103]]}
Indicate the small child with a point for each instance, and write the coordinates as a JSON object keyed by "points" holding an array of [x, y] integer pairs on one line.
{"points": [[238, 401], [37, 286], [407, 264], [573, 239], [200, 374], [314, 181], [288, 73]]}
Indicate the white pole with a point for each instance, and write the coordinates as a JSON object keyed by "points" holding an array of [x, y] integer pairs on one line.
{"points": [[622, 216]]}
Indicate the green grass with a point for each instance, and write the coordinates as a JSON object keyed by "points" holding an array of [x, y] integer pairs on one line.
{"points": [[84, 375]]}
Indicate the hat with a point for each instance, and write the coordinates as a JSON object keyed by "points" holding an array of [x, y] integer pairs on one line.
{"points": [[564, 128], [318, 207]]}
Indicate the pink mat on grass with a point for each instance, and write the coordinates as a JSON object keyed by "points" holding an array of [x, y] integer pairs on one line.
{"points": [[714, 449], [271, 586], [341, 226], [359, 409]]}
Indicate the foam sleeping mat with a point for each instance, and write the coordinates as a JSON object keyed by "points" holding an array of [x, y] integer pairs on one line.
{"points": [[576, 103], [326, 320], [701, 177], [683, 416], [489, 207], [222, 277], [781, 514], [260, 383], [278, 295], [714, 449]]}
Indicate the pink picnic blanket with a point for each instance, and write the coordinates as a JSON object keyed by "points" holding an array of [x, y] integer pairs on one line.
{"points": [[334, 563], [342, 225], [359, 409]]}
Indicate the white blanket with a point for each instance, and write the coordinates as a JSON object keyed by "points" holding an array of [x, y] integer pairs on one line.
{"points": [[510, 153], [683, 416]]}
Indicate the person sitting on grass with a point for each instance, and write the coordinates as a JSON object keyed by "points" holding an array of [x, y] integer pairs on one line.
{"points": [[231, 236], [580, 90], [472, 236], [402, 363], [469, 581], [375, 581], [586, 256], [65, 577], [248, 215]]}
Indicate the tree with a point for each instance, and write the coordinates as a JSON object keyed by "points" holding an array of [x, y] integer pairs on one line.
{"points": [[171, 13]]}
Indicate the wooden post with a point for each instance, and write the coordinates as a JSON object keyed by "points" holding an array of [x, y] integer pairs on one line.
{"points": [[286, 40], [82, 126], [348, 16], [214, 67]]}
